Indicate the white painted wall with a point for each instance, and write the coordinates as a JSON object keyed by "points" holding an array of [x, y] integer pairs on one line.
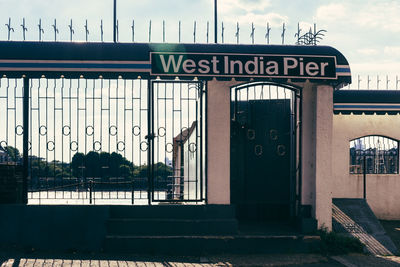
{"points": [[383, 191], [317, 122]]}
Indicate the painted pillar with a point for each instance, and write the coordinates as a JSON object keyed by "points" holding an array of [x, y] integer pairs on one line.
{"points": [[317, 151], [218, 136]]}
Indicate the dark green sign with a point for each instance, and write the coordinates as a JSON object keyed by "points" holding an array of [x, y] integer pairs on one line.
{"points": [[237, 65]]}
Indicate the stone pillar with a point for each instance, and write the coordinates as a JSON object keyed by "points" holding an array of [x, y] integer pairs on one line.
{"points": [[317, 119], [218, 136]]}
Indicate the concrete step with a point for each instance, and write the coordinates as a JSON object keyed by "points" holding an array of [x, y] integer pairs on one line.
{"points": [[154, 227], [355, 217], [173, 212], [197, 245]]}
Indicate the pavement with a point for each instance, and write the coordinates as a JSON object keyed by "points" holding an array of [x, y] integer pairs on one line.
{"points": [[36, 259]]}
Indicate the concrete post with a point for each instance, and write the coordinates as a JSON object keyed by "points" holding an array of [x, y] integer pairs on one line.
{"points": [[323, 170], [218, 135], [317, 122]]}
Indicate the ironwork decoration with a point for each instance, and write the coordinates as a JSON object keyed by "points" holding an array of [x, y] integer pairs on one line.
{"points": [[150, 31], [252, 33], [179, 32], [281, 150], [194, 32], [283, 33], [101, 31], [312, 37], [41, 30], [71, 30], [208, 30], [55, 30], [117, 31], [358, 81], [251, 134], [9, 29], [237, 32], [268, 33], [24, 29], [258, 150], [86, 31], [163, 31], [222, 31]]}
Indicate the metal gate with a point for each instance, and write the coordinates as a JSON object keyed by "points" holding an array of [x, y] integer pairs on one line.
{"points": [[102, 141], [265, 151]]}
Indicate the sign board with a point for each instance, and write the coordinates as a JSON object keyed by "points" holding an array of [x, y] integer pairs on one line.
{"points": [[243, 65]]}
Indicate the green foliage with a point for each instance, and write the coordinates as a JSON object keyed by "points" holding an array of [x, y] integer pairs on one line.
{"points": [[13, 153], [333, 243]]}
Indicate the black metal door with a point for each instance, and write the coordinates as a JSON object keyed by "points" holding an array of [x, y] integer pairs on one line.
{"points": [[263, 151]]}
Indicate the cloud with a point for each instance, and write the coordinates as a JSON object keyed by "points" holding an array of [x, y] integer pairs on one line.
{"points": [[392, 51], [367, 51], [274, 19], [245, 6], [331, 12], [380, 15]]}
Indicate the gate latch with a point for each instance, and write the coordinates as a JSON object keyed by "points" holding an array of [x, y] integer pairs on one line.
{"points": [[150, 136]]}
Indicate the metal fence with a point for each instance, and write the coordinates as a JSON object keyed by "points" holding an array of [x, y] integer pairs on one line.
{"points": [[377, 154], [106, 141]]}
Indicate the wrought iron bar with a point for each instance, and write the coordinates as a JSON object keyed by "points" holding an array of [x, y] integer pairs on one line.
{"points": [[71, 30], [194, 32], [252, 32], [115, 21], [55, 30], [25, 140], [237, 32], [41, 30], [24, 29], [86, 30], [268, 32], [101, 31], [9, 29], [150, 31], [179, 32], [163, 31]]}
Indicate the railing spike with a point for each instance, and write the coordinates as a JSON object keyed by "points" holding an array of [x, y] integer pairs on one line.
{"points": [[55, 30], [283, 33], [237, 32], [71, 31], [9, 28], [150, 31], [24, 29], [252, 32], [41, 30], [101, 31], [208, 30]]}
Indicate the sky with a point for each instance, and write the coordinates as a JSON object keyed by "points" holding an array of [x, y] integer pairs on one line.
{"points": [[367, 32]]}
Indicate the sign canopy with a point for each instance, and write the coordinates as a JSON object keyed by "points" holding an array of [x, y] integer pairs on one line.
{"points": [[185, 61]]}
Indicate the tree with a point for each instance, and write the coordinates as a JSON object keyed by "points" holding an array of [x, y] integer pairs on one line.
{"points": [[13, 153], [92, 164], [77, 163]]}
